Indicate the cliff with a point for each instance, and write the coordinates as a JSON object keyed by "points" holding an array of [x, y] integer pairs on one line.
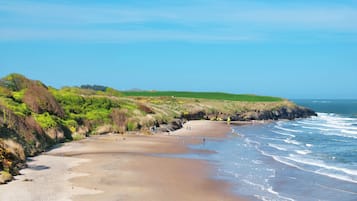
{"points": [[33, 116]]}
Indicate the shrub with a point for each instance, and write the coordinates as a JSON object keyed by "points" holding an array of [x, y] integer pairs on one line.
{"points": [[119, 118], [113, 92], [45, 120], [20, 109], [98, 114], [131, 126], [76, 136], [18, 95], [5, 177], [70, 124]]}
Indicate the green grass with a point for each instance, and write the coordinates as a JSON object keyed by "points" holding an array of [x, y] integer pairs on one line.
{"points": [[204, 95]]}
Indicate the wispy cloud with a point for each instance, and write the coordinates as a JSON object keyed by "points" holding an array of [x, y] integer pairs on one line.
{"points": [[112, 36], [188, 21]]}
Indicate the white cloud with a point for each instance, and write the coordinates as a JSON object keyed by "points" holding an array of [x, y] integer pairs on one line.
{"points": [[201, 20]]}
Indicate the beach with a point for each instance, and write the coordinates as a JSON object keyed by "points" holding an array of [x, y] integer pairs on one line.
{"points": [[125, 167]]}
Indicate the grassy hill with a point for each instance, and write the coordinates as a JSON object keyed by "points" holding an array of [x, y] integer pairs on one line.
{"points": [[33, 116], [204, 95]]}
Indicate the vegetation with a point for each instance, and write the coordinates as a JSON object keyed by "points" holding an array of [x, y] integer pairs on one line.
{"points": [[5, 177], [94, 87], [33, 116], [204, 95], [45, 120]]}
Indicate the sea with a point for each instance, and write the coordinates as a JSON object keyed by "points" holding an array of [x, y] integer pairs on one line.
{"points": [[303, 159]]}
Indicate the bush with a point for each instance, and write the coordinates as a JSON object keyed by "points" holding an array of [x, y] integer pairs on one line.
{"points": [[98, 115], [131, 126], [76, 136], [18, 95], [5, 177], [20, 109], [70, 124], [45, 120]]}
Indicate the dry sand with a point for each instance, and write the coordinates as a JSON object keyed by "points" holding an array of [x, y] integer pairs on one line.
{"points": [[117, 167], [46, 179]]}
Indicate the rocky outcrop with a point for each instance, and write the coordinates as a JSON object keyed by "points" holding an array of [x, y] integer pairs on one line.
{"points": [[57, 134], [196, 115], [172, 126], [12, 157], [289, 113], [284, 112]]}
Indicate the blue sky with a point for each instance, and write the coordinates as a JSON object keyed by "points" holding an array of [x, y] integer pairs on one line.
{"points": [[293, 49]]}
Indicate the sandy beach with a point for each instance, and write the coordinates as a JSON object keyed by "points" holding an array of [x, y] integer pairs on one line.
{"points": [[124, 167]]}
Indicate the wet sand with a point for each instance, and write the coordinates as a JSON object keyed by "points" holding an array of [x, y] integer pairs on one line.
{"points": [[127, 167]]}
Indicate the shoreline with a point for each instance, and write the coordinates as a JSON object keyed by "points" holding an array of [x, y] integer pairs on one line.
{"points": [[125, 167]]}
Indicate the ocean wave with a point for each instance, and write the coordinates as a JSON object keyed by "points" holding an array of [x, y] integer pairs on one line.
{"points": [[280, 160], [268, 138], [259, 186], [287, 129], [286, 134], [334, 117], [309, 145], [336, 176], [277, 147], [290, 141], [347, 174], [251, 142], [316, 128], [328, 126], [303, 152], [341, 135], [268, 189], [349, 132]]}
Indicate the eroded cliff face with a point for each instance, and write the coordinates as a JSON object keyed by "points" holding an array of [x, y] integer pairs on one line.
{"points": [[284, 112], [20, 136]]}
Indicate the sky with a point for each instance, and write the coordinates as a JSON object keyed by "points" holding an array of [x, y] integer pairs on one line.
{"points": [[293, 49]]}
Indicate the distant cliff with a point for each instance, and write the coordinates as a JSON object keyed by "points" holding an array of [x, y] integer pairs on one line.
{"points": [[33, 116], [283, 112]]}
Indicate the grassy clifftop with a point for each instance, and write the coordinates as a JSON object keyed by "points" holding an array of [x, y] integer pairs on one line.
{"points": [[34, 116], [205, 95]]}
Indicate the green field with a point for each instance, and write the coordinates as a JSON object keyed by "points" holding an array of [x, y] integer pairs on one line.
{"points": [[204, 95]]}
